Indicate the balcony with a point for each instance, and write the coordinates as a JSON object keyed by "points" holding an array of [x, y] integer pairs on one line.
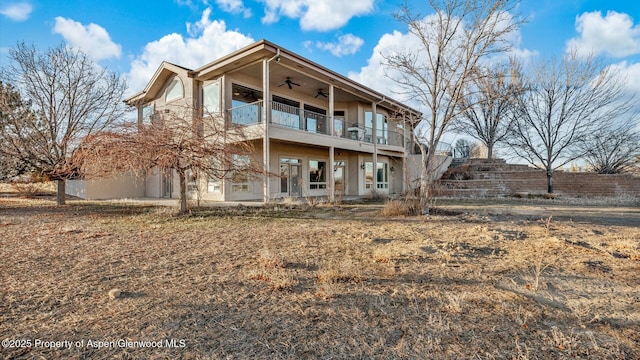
{"points": [[248, 114], [300, 119]]}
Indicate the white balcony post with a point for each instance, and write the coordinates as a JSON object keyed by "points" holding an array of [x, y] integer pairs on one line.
{"points": [[266, 119], [374, 138], [331, 168], [406, 153], [331, 182], [331, 111]]}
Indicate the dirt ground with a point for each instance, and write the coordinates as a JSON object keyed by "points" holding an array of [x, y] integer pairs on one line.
{"points": [[486, 279]]}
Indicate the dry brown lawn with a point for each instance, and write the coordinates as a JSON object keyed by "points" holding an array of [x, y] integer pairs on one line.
{"points": [[487, 281]]}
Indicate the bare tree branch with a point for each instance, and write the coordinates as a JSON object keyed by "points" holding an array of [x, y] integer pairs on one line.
{"points": [[452, 41], [614, 149], [183, 140], [489, 100], [565, 102], [71, 97]]}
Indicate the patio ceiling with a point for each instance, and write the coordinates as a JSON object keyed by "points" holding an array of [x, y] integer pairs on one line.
{"points": [[309, 84]]}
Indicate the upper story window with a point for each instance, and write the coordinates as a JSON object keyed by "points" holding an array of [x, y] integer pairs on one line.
{"points": [[175, 90], [382, 128], [211, 98], [316, 119], [338, 123]]}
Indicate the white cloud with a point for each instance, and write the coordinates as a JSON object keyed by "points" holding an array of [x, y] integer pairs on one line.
{"points": [[17, 12], [374, 74], [207, 41], [234, 7], [320, 15], [629, 73], [347, 44], [614, 34], [92, 39], [377, 77]]}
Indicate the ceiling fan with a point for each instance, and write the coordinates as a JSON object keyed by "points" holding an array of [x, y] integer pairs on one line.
{"points": [[321, 93], [288, 82]]}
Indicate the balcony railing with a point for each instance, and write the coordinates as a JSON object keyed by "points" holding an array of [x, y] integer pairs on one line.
{"points": [[442, 148], [248, 114], [296, 118], [300, 119], [364, 133]]}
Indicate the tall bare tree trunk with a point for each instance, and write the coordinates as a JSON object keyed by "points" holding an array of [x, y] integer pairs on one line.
{"points": [[61, 192], [183, 191], [490, 151], [426, 178], [550, 181]]}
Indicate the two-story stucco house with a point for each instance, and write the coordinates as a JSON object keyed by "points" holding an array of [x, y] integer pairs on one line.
{"points": [[322, 133]]}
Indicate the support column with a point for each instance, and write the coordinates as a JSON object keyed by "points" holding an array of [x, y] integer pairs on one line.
{"points": [[374, 138], [266, 119], [405, 153], [331, 171], [331, 111]]}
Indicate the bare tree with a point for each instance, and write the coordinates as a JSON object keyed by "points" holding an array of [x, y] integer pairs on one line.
{"points": [[566, 100], [486, 104], [614, 149], [183, 140], [71, 96], [462, 149], [14, 112], [452, 41]]}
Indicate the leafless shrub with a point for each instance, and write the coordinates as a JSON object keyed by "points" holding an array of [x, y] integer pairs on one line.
{"points": [[457, 173], [545, 254], [409, 207]]}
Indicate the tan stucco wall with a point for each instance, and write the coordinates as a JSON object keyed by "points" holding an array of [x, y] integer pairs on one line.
{"points": [[121, 186]]}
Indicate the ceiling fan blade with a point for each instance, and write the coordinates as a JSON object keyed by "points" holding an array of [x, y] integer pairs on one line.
{"points": [[289, 83], [295, 84]]}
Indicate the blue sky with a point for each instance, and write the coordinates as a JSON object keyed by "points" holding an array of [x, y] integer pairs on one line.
{"points": [[132, 37]]}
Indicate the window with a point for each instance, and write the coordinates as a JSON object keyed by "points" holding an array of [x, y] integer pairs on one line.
{"points": [[211, 98], [368, 175], [316, 119], [147, 114], [382, 131], [382, 175], [214, 183], [338, 123], [175, 90], [192, 181], [239, 176], [317, 175], [368, 127]]}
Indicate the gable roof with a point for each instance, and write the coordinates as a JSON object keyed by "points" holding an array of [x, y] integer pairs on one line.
{"points": [[259, 51], [164, 72]]}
